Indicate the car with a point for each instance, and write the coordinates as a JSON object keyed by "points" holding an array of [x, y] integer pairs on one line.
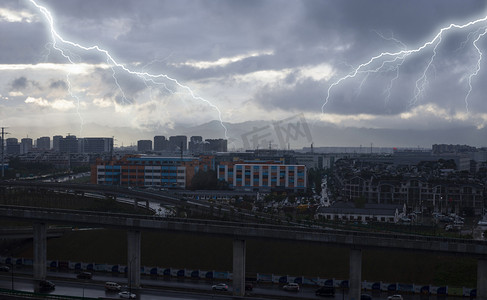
{"points": [[220, 287], [112, 286], [84, 275], [126, 295], [248, 286], [325, 291], [365, 297], [293, 287], [395, 297], [46, 285], [4, 269]]}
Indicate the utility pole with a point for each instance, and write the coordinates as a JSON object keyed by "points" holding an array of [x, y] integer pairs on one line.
{"points": [[111, 149], [3, 160], [3, 149]]}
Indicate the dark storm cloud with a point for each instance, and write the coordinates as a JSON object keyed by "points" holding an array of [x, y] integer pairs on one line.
{"points": [[19, 83], [59, 84], [22, 43], [301, 97], [299, 34]]}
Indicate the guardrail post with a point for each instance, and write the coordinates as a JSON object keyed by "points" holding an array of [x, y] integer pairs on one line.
{"points": [[238, 267], [482, 279], [355, 273], [40, 251], [133, 258]]}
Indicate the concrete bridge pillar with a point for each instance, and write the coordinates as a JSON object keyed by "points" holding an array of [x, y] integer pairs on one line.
{"points": [[40, 251], [133, 258], [482, 279], [238, 267], [355, 275]]}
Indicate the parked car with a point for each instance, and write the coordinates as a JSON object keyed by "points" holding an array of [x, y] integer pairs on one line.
{"points": [[326, 291], [220, 287], [365, 297], [46, 285], [126, 295], [395, 297], [248, 286], [4, 269], [112, 286], [293, 287], [84, 275]]}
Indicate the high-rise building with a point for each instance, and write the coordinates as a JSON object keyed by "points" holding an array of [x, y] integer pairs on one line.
{"points": [[55, 142], [43, 143], [96, 145], [25, 145], [195, 143], [178, 141], [216, 145], [144, 145], [13, 146], [69, 144], [160, 143]]}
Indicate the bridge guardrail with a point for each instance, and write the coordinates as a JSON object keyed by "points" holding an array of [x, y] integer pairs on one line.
{"points": [[246, 225]]}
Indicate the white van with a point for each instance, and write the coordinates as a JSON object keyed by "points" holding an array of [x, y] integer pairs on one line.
{"points": [[112, 286]]}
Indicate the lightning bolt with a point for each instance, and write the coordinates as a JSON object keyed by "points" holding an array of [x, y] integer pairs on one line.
{"points": [[145, 76], [477, 69], [422, 81]]}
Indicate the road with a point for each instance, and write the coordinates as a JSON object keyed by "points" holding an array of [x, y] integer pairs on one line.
{"points": [[168, 288]]}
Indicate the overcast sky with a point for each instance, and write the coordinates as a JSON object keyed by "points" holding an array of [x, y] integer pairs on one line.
{"points": [[191, 62]]}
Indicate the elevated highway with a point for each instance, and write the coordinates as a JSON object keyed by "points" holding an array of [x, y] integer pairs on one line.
{"points": [[138, 195], [240, 232]]}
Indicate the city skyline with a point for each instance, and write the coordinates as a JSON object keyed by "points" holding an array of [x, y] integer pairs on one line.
{"points": [[246, 65]]}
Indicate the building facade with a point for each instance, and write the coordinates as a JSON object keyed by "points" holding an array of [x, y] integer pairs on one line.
{"points": [[96, 145], [144, 145], [69, 144], [263, 176], [178, 142], [12, 146], [149, 171], [160, 143], [25, 145], [43, 143]]}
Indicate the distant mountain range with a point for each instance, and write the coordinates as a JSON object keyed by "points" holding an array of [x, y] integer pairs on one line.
{"points": [[329, 135]]}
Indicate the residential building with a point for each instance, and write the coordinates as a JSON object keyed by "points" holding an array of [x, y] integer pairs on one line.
{"points": [[55, 142], [178, 141], [25, 145], [43, 143], [160, 143], [216, 145], [144, 145], [196, 144], [96, 145], [12, 146], [69, 144]]}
